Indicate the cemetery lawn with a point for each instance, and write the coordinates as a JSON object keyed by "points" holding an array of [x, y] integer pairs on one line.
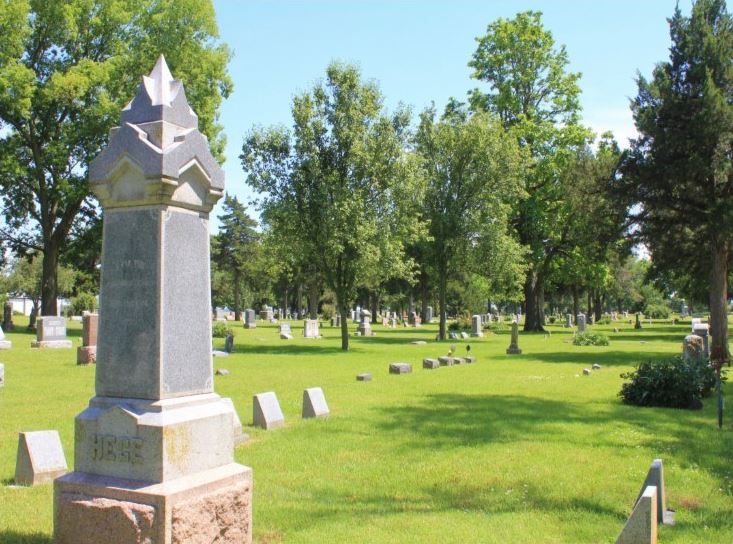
{"points": [[512, 449]]}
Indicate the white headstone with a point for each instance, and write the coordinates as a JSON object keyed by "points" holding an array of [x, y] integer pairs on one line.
{"points": [[310, 328], [4, 343], [266, 411], [40, 458], [314, 403]]}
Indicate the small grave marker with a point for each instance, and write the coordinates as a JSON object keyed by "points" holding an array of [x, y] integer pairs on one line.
{"points": [[266, 411], [314, 403], [430, 363], [400, 368], [641, 527], [364, 377], [40, 458], [51, 333]]}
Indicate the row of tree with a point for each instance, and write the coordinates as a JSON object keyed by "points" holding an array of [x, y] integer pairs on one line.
{"points": [[505, 193]]}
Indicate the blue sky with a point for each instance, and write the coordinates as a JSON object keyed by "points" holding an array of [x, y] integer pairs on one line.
{"points": [[418, 52]]}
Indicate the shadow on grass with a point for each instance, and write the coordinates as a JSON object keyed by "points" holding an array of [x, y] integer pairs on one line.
{"points": [[588, 354], [13, 537]]}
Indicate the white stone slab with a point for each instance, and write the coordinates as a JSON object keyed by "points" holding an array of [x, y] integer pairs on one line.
{"points": [[314, 403], [266, 411], [40, 458]]}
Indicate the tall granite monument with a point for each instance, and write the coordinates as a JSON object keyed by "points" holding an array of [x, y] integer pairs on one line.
{"points": [[154, 450]]}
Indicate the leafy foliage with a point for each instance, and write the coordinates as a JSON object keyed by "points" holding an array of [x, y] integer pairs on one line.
{"points": [[657, 311], [590, 338], [672, 383], [219, 329]]}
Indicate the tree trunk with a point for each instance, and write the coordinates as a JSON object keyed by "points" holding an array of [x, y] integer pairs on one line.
{"points": [[598, 306], [374, 305], [576, 301], [424, 293], [299, 300], [49, 286], [719, 302], [590, 303], [285, 298], [237, 297], [33, 316], [313, 295], [343, 305], [534, 302], [442, 288]]}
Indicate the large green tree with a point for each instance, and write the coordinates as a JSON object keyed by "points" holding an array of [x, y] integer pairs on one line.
{"points": [[537, 100], [66, 70], [679, 173], [337, 185], [471, 168], [235, 247]]}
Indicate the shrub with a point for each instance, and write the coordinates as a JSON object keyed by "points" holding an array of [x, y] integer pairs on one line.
{"points": [[657, 311], [220, 329], [461, 323], [496, 327], [590, 338], [83, 302], [552, 319], [672, 383], [604, 321], [328, 311]]}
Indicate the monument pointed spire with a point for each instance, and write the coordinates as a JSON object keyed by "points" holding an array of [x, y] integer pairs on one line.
{"points": [[160, 85]]}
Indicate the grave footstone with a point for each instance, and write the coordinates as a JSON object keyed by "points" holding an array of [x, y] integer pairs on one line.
{"points": [[51, 333], [40, 458], [314, 403], [285, 332], [513, 348], [4, 342], [446, 361], [641, 527], [476, 326], [249, 319], [430, 363], [568, 320], [87, 352], [266, 411], [364, 377], [400, 368], [156, 441], [310, 328]]}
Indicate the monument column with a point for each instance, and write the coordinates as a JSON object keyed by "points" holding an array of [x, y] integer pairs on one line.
{"points": [[154, 454]]}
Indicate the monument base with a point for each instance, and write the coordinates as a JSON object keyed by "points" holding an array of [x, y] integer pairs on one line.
{"points": [[210, 506], [51, 344], [6, 344], [250, 326], [513, 351], [86, 355], [477, 334]]}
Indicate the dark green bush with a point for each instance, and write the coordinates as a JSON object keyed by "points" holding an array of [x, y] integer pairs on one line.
{"points": [[220, 329], [657, 311], [590, 338], [83, 302], [672, 383], [462, 323], [552, 319]]}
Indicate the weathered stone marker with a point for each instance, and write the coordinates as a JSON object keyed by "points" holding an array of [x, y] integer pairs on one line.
{"points": [[364, 377], [154, 455], [8, 316], [40, 458], [430, 364], [314, 403], [513, 348], [51, 333], [4, 343], [641, 527], [580, 322], [286, 332], [249, 319], [655, 477], [87, 353], [310, 328], [476, 326], [568, 320], [400, 368], [266, 412]]}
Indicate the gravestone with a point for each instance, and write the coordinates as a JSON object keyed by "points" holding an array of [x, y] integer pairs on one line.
{"points": [[364, 377], [693, 348], [2, 375], [513, 348], [580, 322], [40, 458], [430, 363], [51, 333], [637, 325], [470, 359], [154, 453], [641, 527], [336, 320], [314, 403], [285, 332], [250, 322], [703, 331], [8, 317], [568, 320], [228, 343], [684, 311], [464, 335], [476, 326], [4, 343], [429, 314], [365, 327], [87, 352], [266, 411], [310, 328], [655, 478], [400, 368], [266, 313], [446, 361], [221, 314], [237, 434], [393, 322], [412, 319]]}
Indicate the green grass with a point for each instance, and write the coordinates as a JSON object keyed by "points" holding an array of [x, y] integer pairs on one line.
{"points": [[520, 448]]}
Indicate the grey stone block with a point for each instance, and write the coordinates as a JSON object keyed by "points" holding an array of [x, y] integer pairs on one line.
{"points": [[430, 363], [400, 368], [266, 411], [641, 527], [314, 403], [469, 359], [446, 361], [40, 458], [364, 377], [655, 477]]}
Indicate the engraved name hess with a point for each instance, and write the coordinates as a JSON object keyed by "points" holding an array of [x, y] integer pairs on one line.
{"points": [[119, 449]]}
